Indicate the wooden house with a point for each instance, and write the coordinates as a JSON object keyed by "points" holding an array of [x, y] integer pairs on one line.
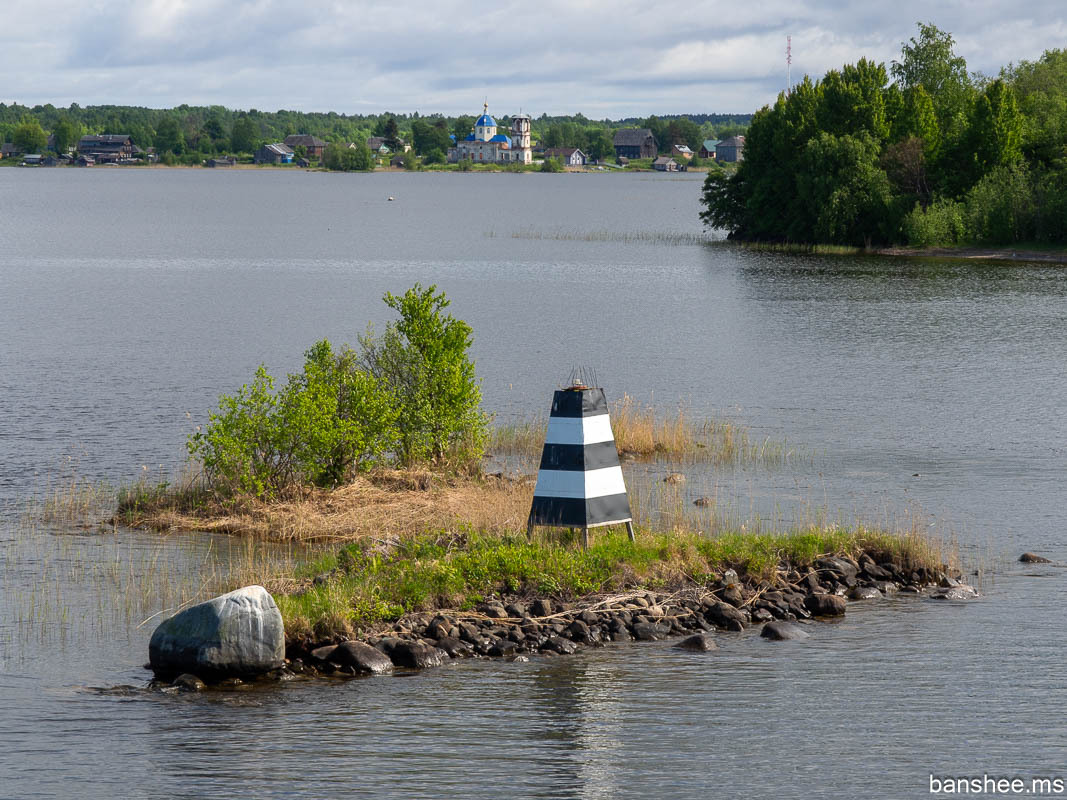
{"points": [[731, 149], [221, 161], [665, 164], [107, 147], [707, 150], [312, 144], [635, 143], [568, 156], [681, 151], [276, 153]]}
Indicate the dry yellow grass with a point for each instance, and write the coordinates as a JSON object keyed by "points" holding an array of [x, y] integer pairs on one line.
{"points": [[645, 432], [381, 505]]}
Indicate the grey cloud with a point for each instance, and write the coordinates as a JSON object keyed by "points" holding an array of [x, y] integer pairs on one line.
{"points": [[361, 57]]}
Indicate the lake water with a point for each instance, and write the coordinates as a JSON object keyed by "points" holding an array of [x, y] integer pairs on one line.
{"points": [[916, 392]]}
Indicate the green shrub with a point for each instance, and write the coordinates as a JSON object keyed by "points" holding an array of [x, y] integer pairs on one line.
{"points": [[940, 224], [328, 422], [1050, 194], [422, 361], [409, 397], [465, 165], [551, 165], [435, 156], [1000, 207]]}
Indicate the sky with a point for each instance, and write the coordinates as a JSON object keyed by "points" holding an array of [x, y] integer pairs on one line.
{"points": [[605, 59]]}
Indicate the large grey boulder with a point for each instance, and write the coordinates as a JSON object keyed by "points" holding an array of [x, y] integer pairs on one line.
{"points": [[239, 633]]}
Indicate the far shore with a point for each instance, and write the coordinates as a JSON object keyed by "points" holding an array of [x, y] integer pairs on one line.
{"points": [[1028, 252], [592, 169], [1055, 256]]}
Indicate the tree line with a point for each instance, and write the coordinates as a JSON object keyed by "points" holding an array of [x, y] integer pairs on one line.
{"points": [[922, 153], [193, 132]]}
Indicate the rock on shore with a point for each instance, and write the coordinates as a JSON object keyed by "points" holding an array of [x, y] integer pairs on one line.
{"points": [[235, 634], [508, 627]]}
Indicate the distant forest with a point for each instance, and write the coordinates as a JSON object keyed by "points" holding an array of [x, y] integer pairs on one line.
{"points": [[924, 153], [194, 132]]}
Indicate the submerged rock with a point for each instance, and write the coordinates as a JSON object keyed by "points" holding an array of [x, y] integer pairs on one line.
{"points": [[864, 593], [783, 631], [188, 683], [961, 592], [239, 633], [700, 643], [1034, 558]]}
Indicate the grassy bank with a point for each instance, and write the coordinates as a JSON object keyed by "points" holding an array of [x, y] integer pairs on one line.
{"points": [[364, 585]]}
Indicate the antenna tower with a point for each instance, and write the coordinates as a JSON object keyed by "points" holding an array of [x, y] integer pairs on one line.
{"points": [[788, 64]]}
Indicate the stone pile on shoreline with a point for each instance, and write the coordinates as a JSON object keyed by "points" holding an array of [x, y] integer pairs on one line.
{"points": [[513, 627]]}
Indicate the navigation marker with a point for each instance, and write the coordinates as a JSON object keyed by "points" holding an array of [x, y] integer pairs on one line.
{"points": [[579, 482]]}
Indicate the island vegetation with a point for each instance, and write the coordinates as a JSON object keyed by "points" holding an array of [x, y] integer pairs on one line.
{"points": [[373, 457], [921, 153]]}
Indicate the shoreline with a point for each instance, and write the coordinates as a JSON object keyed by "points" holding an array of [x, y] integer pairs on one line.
{"points": [[1051, 255], [518, 627]]}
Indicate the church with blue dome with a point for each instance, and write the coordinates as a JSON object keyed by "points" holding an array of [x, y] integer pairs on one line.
{"points": [[484, 145]]}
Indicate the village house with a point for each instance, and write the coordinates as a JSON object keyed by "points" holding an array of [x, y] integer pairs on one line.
{"points": [[32, 160], [221, 161], [665, 164], [8, 150], [568, 156], [682, 151], [85, 161], [107, 148], [377, 146], [731, 149], [707, 150], [276, 153], [312, 144], [484, 145], [635, 143]]}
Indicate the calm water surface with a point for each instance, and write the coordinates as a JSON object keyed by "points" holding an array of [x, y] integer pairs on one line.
{"points": [[920, 392]]}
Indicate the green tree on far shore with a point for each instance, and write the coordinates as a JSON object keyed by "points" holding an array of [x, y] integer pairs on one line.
{"points": [[29, 136], [66, 135], [169, 137], [244, 135], [340, 157]]}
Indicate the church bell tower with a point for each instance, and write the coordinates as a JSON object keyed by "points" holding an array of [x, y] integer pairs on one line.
{"points": [[520, 136]]}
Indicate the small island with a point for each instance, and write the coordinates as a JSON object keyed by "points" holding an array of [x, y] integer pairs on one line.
{"points": [[372, 459]]}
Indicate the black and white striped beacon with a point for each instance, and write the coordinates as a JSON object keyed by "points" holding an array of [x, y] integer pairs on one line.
{"points": [[579, 482]]}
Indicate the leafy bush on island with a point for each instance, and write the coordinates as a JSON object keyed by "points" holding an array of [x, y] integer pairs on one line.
{"points": [[551, 165], [937, 156], [408, 397]]}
